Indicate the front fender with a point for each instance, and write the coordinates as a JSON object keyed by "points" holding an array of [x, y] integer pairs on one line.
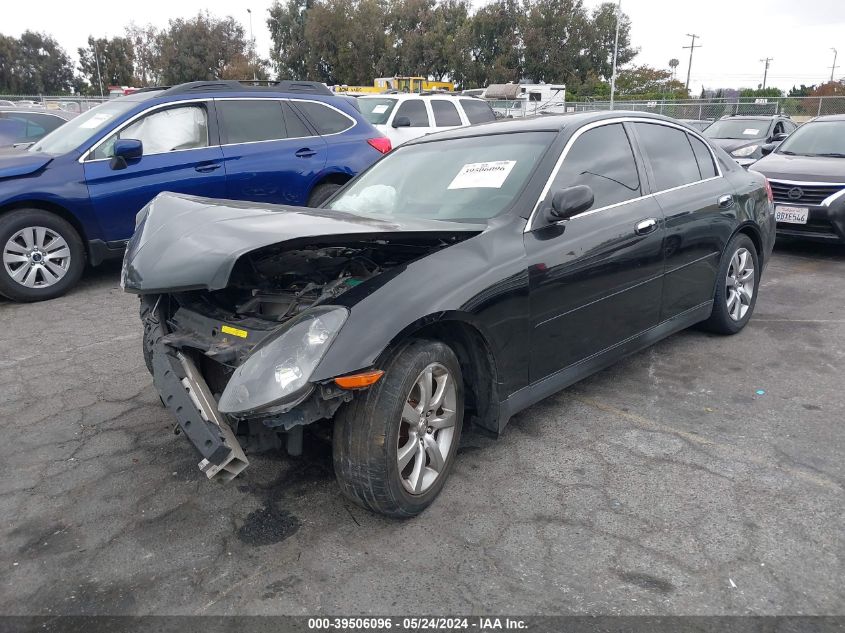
{"points": [[482, 281]]}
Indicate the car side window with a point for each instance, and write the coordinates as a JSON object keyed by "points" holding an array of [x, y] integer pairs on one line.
{"points": [[602, 159], [251, 121], [706, 167], [325, 120], [778, 128], [295, 126], [790, 127], [415, 110], [445, 113], [478, 111], [162, 131], [670, 154]]}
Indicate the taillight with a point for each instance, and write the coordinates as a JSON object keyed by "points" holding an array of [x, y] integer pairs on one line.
{"points": [[382, 144]]}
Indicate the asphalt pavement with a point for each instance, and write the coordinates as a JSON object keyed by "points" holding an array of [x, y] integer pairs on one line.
{"points": [[702, 476]]}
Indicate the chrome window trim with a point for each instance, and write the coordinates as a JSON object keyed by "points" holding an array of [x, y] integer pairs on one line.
{"points": [[529, 226], [130, 121]]}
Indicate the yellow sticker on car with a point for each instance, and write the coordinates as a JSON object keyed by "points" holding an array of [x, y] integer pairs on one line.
{"points": [[228, 329]]}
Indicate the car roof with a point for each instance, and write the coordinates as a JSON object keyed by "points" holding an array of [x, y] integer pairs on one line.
{"points": [[830, 117], [416, 95], [542, 123], [57, 113], [753, 117]]}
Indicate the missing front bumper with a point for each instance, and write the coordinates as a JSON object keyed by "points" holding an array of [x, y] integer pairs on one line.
{"points": [[185, 393]]}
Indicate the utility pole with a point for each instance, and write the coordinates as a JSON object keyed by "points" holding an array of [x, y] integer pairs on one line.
{"points": [[833, 68], [97, 60], [766, 70], [691, 48], [252, 46], [615, 52]]}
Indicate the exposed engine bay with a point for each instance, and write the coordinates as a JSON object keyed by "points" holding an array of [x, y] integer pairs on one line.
{"points": [[278, 283]]}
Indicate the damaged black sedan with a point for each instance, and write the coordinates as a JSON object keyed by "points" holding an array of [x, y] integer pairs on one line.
{"points": [[459, 280]]}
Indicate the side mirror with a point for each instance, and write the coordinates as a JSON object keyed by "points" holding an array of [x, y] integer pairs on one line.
{"points": [[401, 121], [777, 138], [570, 201], [125, 150], [768, 148]]}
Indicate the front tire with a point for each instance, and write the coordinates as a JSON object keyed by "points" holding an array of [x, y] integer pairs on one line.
{"points": [[42, 256], [394, 444], [736, 287]]}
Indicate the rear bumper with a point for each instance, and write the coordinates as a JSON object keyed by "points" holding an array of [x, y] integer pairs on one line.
{"points": [[185, 393]]}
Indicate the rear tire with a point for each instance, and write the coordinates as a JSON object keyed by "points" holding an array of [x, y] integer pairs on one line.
{"points": [[384, 443], [42, 255], [321, 193], [736, 287]]}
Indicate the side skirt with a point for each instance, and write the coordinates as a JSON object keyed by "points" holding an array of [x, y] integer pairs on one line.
{"points": [[544, 388]]}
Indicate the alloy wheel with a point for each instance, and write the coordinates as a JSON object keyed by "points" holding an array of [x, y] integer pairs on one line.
{"points": [[36, 257], [427, 428], [740, 284]]}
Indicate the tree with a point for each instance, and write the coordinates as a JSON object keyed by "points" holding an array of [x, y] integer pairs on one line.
{"points": [[287, 30], [555, 34], [646, 82], [116, 63], [9, 70], [491, 43], [601, 33], [202, 48], [760, 92], [803, 91], [144, 44], [37, 65]]}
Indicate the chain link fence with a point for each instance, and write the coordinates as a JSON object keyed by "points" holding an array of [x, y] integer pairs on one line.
{"points": [[68, 103], [800, 109]]}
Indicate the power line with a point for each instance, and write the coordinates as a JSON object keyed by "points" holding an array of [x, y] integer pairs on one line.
{"points": [[691, 48]]}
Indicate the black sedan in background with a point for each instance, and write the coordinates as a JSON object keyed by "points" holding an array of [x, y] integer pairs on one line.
{"points": [[21, 128], [743, 137], [464, 277], [807, 174]]}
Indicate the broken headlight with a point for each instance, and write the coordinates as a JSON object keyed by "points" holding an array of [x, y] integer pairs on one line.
{"points": [[279, 368]]}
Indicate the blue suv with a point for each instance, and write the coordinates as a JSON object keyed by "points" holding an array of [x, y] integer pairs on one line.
{"points": [[73, 195]]}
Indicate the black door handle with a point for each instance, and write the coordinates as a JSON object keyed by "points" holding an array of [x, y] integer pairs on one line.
{"points": [[644, 227], [305, 152], [207, 167]]}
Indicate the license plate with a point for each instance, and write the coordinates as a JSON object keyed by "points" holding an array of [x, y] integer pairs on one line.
{"points": [[791, 215]]}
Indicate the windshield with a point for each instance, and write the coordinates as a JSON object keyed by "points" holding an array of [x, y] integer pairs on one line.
{"points": [[461, 179], [377, 110], [79, 129], [819, 138], [737, 128]]}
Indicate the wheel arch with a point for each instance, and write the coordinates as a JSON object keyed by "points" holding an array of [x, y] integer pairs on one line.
{"points": [[333, 178], [475, 355], [753, 233], [50, 207]]}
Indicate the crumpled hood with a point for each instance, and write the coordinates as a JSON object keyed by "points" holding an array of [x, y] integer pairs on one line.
{"points": [[21, 163], [733, 144], [802, 168], [186, 242]]}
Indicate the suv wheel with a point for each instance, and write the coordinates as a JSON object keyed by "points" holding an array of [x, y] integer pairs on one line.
{"points": [[395, 443], [43, 255], [321, 193]]}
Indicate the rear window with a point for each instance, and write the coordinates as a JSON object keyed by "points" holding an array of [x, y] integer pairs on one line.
{"points": [[670, 154], [704, 157], [251, 121], [325, 119], [478, 111], [376, 111]]}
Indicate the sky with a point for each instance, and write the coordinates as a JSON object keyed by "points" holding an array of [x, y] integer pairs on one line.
{"points": [[735, 35]]}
